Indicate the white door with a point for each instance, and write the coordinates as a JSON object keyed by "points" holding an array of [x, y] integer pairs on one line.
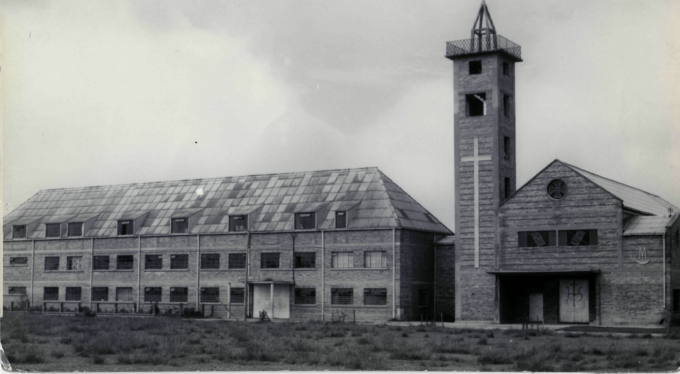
{"points": [[262, 300], [536, 307]]}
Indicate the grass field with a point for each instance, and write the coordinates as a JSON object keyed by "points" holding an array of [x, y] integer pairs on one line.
{"points": [[56, 343]]}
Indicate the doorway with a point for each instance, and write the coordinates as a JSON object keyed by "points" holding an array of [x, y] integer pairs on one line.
{"points": [[262, 300], [574, 301]]}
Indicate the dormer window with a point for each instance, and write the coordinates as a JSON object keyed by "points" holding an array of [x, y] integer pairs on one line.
{"points": [[53, 230], [238, 223], [305, 221], [19, 232], [340, 220], [126, 227], [180, 225], [75, 229]]}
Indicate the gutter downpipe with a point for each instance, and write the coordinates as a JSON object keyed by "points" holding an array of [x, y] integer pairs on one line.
{"points": [[32, 268], [198, 271], [434, 291], [394, 273], [91, 268], [664, 271], [139, 272], [246, 289], [323, 276]]}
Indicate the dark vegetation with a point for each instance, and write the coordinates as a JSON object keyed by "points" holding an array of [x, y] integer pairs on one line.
{"points": [[58, 343]]}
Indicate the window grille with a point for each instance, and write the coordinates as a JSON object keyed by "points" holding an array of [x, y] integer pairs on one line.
{"points": [[125, 262], [269, 260], [180, 225], [305, 221], [19, 232], [74, 262], [375, 296], [305, 259], [51, 293], [124, 294], [100, 262], [210, 261], [51, 263], [572, 238], [237, 261], [53, 230], [536, 238], [237, 295], [342, 260], [75, 229], [17, 290], [153, 262], [179, 294], [210, 294], [375, 260], [18, 261], [340, 220], [126, 227], [73, 293], [100, 294], [342, 296], [153, 294], [238, 223], [179, 261], [305, 296]]}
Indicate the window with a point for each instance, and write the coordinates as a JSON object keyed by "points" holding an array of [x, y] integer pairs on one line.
{"points": [[342, 296], [51, 263], [238, 223], [180, 225], [557, 189], [18, 261], [51, 293], [305, 296], [179, 261], [375, 260], [342, 260], [506, 105], [124, 262], [100, 294], [506, 147], [537, 238], [269, 260], [126, 228], [153, 294], [305, 221], [574, 238], [340, 220], [237, 295], [154, 262], [73, 293], [676, 300], [74, 262], [506, 69], [475, 67], [210, 261], [305, 259], [124, 294], [17, 290], [53, 230], [100, 262], [75, 229], [237, 261], [422, 297], [375, 296], [210, 295], [19, 232], [508, 187], [179, 294], [475, 105]]}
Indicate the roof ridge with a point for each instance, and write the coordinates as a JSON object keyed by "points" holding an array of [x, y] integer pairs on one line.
{"points": [[382, 183]]}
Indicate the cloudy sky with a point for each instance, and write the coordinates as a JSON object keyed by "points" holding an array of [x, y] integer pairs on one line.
{"points": [[109, 92]]}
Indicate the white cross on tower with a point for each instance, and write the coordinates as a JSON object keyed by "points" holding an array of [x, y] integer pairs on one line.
{"points": [[476, 158]]}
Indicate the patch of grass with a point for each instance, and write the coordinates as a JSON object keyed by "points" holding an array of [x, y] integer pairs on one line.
{"points": [[97, 360], [66, 340], [482, 341], [494, 357], [364, 341], [57, 354], [597, 352], [404, 335]]}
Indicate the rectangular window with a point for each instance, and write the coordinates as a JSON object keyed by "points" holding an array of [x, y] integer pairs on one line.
{"points": [[237, 261], [74, 263], [237, 295], [179, 261], [572, 238], [18, 261], [19, 232], [537, 238], [342, 260], [475, 104], [507, 187], [506, 69], [100, 262], [124, 294], [179, 294], [73, 293], [423, 297], [53, 230], [17, 290], [305, 259], [340, 220], [269, 260], [342, 296], [305, 221], [100, 294], [153, 294], [506, 147], [375, 260], [51, 293], [75, 229], [506, 105], [475, 67], [676, 300], [210, 295], [126, 227], [210, 261], [180, 225], [238, 223], [51, 263], [153, 262], [124, 262], [305, 296], [375, 296]]}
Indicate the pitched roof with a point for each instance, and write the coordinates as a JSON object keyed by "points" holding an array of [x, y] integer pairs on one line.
{"points": [[646, 225], [447, 240], [632, 197], [376, 200]]}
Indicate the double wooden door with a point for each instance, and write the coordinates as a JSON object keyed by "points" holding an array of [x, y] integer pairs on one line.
{"points": [[574, 301]]}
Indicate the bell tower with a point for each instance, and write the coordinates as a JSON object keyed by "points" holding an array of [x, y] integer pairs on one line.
{"points": [[484, 146]]}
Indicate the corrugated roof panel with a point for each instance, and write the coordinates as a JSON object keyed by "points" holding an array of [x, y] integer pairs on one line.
{"points": [[647, 225]]}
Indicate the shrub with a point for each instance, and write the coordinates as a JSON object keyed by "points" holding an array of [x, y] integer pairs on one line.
{"points": [[482, 341], [66, 340], [98, 360], [494, 358], [404, 335], [489, 334], [364, 341], [57, 354], [640, 352], [597, 352]]}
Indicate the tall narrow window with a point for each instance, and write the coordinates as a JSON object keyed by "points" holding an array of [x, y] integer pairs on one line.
{"points": [[475, 67], [53, 230], [237, 295], [342, 260], [126, 228], [73, 293], [51, 263], [154, 262], [210, 261], [342, 296], [475, 104], [508, 187], [340, 220], [506, 69], [179, 261], [124, 262], [375, 260], [305, 259], [210, 295], [180, 225], [573, 238], [179, 294], [506, 105], [100, 262], [238, 223], [423, 297], [375, 296], [153, 294], [51, 293], [75, 229], [269, 260], [305, 296], [676, 300], [506, 147], [19, 232], [124, 294], [305, 221], [100, 294], [74, 263], [237, 261], [537, 238]]}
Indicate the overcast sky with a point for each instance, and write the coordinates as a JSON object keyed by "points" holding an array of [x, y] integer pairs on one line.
{"points": [[110, 92]]}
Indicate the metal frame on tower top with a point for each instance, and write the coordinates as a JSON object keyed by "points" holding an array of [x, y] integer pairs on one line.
{"points": [[481, 36]]}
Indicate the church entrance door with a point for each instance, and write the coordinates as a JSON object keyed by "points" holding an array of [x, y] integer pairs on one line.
{"points": [[574, 301]]}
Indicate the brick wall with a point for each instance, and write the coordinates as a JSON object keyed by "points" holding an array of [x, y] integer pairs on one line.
{"points": [[445, 286]]}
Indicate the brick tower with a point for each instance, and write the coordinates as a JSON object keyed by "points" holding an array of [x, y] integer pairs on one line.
{"points": [[484, 136]]}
